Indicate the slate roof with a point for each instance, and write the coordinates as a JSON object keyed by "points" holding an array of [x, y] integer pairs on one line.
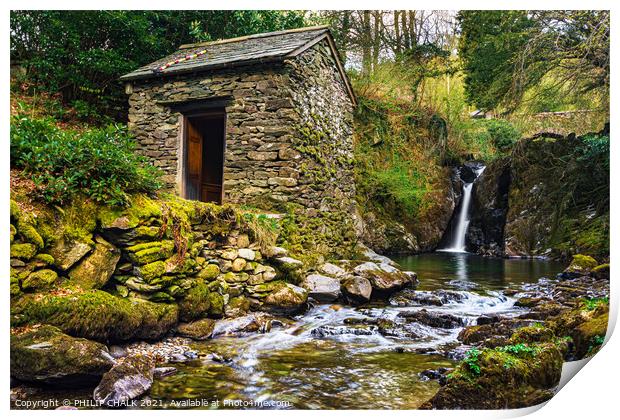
{"points": [[251, 49]]}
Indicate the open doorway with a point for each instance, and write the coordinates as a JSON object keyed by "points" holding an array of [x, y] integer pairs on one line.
{"points": [[205, 138]]}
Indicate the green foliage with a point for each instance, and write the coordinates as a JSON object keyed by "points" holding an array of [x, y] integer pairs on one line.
{"points": [[505, 53], [502, 133], [490, 39], [99, 163], [81, 54], [591, 304], [472, 359], [518, 349]]}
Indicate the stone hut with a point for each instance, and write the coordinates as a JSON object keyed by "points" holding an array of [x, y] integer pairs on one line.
{"points": [[255, 120]]}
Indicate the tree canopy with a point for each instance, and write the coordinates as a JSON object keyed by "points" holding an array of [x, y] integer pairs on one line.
{"points": [[81, 54], [505, 53]]}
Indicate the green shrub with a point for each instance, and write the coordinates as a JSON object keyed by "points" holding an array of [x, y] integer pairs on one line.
{"points": [[472, 360], [100, 163], [503, 134]]}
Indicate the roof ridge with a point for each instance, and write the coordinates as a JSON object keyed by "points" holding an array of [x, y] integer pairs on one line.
{"points": [[253, 36]]}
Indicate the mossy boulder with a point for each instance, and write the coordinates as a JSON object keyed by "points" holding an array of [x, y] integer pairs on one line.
{"points": [[94, 271], [149, 252], [286, 299], [357, 290], [197, 330], [12, 232], [510, 377], [46, 259], [40, 280], [581, 265], [46, 355], [23, 251], [96, 315]]}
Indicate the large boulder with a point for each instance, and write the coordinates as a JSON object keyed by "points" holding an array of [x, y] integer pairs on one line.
{"points": [[322, 288], [384, 278], [286, 298], [95, 270], [129, 379], [96, 315], [357, 290], [45, 354]]}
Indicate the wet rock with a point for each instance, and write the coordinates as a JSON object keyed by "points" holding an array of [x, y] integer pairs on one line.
{"points": [[258, 321], [96, 269], [433, 319], [488, 319], [45, 354], [118, 352], [357, 290], [129, 379], [331, 330], [435, 374], [197, 330], [508, 380], [162, 372], [410, 297], [322, 288]]}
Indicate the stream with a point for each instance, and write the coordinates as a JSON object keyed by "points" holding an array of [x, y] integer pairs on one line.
{"points": [[337, 356]]}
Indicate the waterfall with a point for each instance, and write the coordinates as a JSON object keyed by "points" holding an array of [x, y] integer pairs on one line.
{"points": [[457, 242]]}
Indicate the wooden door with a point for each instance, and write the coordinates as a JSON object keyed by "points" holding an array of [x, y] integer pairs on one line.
{"points": [[193, 185]]}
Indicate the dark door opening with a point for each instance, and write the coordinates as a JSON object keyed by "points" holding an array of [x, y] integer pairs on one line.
{"points": [[205, 137]]}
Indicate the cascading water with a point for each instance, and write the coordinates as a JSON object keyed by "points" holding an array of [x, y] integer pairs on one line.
{"points": [[457, 242]]}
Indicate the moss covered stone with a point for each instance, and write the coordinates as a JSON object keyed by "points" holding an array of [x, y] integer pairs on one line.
{"points": [[237, 306], [197, 330], [23, 251], [39, 280], [96, 315], [145, 253], [502, 378], [152, 270], [13, 232], [210, 272], [95, 270], [26, 229], [195, 304], [580, 266], [45, 258], [45, 354]]}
